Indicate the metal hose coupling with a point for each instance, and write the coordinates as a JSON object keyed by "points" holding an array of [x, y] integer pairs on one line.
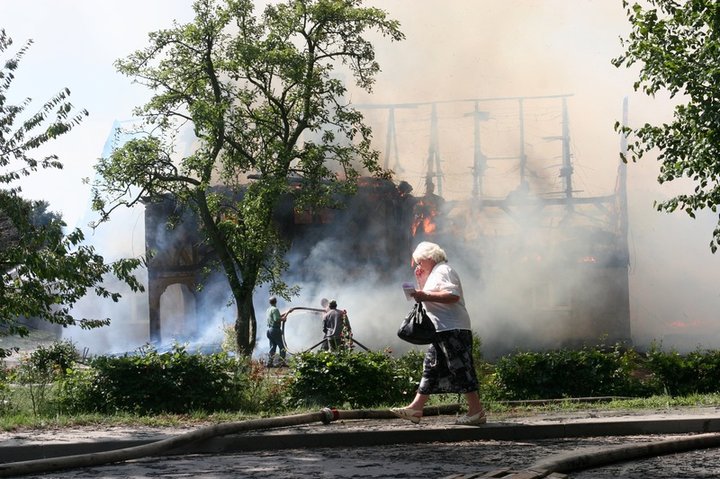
{"points": [[329, 415]]}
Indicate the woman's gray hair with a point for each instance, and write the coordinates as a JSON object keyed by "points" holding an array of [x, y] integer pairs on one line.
{"points": [[431, 251]]}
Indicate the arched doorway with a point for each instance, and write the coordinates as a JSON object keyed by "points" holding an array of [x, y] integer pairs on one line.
{"points": [[178, 313]]}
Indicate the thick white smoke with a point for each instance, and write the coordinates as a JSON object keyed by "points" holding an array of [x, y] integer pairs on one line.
{"points": [[465, 49]]}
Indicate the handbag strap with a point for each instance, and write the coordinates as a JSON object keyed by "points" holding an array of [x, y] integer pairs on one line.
{"points": [[420, 312]]}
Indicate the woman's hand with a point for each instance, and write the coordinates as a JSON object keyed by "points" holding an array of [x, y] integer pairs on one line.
{"points": [[421, 275], [419, 295]]}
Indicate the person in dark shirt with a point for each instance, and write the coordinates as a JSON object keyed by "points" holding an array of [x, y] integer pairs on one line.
{"points": [[332, 327], [405, 213]]}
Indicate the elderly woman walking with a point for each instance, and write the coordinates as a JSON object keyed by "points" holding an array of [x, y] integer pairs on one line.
{"points": [[448, 366]]}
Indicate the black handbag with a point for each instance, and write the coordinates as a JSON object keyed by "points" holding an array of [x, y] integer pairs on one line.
{"points": [[417, 327]]}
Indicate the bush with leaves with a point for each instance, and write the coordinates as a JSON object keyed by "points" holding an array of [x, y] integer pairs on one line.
{"points": [[39, 371], [54, 360], [6, 378], [696, 372], [151, 382], [259, 390], [590, 371], [359, 379]]}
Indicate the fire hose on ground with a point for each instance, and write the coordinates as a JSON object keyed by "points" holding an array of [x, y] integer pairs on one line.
{"points": [[571, 461], [158, 448], [575, 461], [593, 458]]}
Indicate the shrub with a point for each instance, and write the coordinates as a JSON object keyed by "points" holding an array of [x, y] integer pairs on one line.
{"points": [[38, 372], [694, 373], [55, 360], [360, 379], [590, 371], [261, 391], [151, 382], [6, 376]]}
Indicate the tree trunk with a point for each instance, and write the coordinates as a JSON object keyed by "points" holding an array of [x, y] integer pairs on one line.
{"points": [[245, 325], [241, 285]]}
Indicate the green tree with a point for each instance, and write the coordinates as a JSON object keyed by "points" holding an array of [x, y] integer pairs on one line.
{"points": [[677, 47], [263, 100], [44, 271]]}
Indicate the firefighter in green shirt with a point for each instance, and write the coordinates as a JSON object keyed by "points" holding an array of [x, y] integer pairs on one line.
{"points": [[274, 333]]}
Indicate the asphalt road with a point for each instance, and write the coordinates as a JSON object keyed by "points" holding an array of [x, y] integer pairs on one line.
{"points": [[437, 459], [406, 461]]}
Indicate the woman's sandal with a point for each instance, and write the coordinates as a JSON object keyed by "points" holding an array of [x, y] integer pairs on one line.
{"points": [[474, 420], [412, 415]]}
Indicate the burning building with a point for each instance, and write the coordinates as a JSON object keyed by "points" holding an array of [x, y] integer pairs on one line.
{"points": [[564, 276], [559, 277], [540, 269], [366, 232]]}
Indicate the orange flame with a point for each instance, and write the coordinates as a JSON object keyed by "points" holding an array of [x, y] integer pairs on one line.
{"points": [[425, 213], [428, 225]]}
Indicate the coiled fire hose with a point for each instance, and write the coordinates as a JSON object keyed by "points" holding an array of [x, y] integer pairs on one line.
{"points": [[285, 316], [157, 448]]}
